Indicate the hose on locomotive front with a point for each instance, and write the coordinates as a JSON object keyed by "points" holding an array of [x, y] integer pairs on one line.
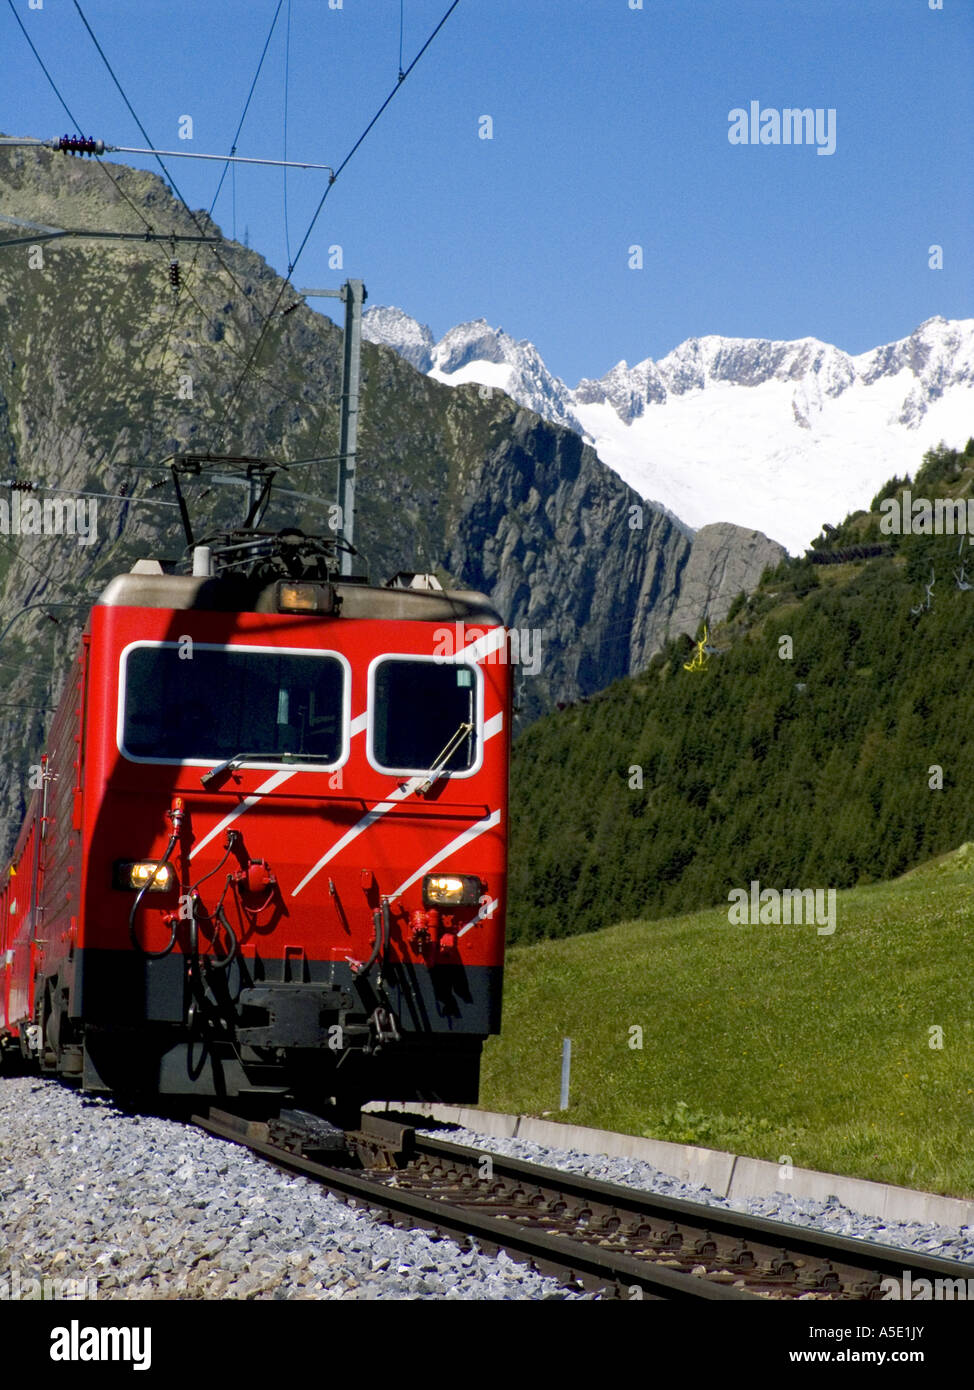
{"points": [[219, 915], [223, 961], [382, 929], [144, 950]]}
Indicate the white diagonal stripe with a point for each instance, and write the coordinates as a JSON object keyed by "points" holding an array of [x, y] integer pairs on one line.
{"points": [[270, 785], [490, 642], [472, 833], [368, 819], [491, 727], [486, 911]]}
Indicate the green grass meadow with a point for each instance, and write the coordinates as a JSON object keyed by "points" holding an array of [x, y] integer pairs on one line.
{"points": [[765, 1040]]}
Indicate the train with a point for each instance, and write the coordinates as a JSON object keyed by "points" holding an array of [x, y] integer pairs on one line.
{"points": [[265, 854]]}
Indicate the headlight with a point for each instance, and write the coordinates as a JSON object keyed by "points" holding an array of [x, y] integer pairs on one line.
{"points": [[305, 597], [451, 890], [159, 878]]}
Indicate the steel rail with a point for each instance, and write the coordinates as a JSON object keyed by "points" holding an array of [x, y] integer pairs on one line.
{"points": [[572, 1262], [439, 1184], [850, 1255], [845, 1257]]}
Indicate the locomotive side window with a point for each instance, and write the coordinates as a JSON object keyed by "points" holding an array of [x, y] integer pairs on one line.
{"points": [[225, 701], [424, 716]]}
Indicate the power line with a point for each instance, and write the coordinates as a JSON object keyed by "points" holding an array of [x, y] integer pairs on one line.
{"points": [[145, 135], [74, 120], [287, 75], [209, 318], [331, 182], [233, 168], [175, 187], [66, 431], [251, 359], [114, 182], [243, 117], [285, 390], [131, 109]]}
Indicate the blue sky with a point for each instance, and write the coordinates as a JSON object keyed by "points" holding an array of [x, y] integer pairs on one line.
{"points": [[610, 130]]}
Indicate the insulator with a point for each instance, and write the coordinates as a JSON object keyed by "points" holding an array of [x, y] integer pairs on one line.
{"points": [[22, 485], [174, 274], [79, 144]]}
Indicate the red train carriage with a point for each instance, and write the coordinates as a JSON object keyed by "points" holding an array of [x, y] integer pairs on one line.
{"points": [[268, 851]]}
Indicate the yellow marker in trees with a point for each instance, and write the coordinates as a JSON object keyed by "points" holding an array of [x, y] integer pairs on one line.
{"points": [[699, 659]]}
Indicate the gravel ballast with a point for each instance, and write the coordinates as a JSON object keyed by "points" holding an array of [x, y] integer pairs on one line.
{"points": [[96, 1201]]}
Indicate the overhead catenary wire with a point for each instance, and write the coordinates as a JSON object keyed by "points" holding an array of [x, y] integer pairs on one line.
{"points": [[65, 432], [287, 80], [266, 319], [243, 114], [113, 181], [131, 110], [145, 135], [231, 166], [71, 116], [175, 187], [288, 391], [317, 212], [74, 120], [250, 363]]}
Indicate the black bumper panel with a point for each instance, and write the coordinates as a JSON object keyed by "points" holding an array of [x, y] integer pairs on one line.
{"points": [[121, 988]]}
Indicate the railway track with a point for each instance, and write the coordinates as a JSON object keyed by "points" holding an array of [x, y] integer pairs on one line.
{"points": [[621, 1241]]}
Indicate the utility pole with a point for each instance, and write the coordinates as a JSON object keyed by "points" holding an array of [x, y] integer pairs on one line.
{"points": [[353, 295]]}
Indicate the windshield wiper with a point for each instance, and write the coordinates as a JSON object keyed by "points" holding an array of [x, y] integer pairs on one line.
{"points": [[239, 758], [436, 771]]}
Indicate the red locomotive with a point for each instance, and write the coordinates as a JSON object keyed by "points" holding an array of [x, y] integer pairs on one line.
{"points": [[267, 852]]}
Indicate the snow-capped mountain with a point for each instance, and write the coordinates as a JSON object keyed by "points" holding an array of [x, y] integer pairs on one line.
{"points": [[779, 436], [478, 353]]}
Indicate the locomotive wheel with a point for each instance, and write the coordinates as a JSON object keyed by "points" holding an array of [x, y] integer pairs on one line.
{"points": [[48, 1051], [60, 1052], [8, 1059]]}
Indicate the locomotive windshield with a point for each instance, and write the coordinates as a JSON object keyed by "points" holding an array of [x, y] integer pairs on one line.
{"points": [[419, 710], [202, 703]]}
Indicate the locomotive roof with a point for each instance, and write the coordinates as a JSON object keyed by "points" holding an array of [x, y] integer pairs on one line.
{"points": [[237, 595]]}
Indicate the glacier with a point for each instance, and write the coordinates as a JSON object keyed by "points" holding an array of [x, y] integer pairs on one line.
{"points": [[775, 436]]}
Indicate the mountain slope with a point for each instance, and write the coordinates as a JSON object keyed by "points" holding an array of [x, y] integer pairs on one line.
{"points": [[844, 762], [774, 435]]}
